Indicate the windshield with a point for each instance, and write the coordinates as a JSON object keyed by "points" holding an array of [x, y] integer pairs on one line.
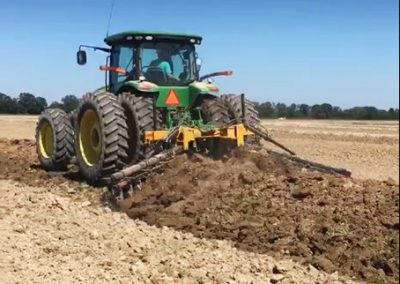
{"points": [[166, 63]]}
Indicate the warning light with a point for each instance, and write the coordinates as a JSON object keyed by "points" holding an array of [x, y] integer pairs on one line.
{"points": [[114, 68], [213, 88], [172, 99]]}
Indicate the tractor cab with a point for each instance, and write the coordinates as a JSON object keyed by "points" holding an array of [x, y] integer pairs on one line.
{"points": [[165, 59], [162, 63]]}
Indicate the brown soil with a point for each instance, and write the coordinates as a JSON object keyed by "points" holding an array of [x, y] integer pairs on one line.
{"points": [[261, 204], [19, 162], [51, 233], [266, 205]]}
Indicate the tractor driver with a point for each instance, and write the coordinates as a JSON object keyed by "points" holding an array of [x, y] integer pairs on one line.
{"points": [[164, 63]]}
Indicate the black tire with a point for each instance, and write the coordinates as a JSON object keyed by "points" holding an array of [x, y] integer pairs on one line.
{"points": [[214, 110], [108, 136], [56, 154], [234, 105], [139, 115], [73, 115]]}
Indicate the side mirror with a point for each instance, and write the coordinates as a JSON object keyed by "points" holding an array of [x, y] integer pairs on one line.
{"points": [[81, 57], [198, 63]]}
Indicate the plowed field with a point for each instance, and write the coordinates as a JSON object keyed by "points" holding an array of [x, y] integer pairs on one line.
{"points": [[249, 217]]}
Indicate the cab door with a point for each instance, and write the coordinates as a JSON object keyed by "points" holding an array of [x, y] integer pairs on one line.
{"points": [[123, 57]]}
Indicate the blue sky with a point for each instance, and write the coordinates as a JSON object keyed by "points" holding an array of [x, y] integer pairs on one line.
{"points": [[304, 51]]}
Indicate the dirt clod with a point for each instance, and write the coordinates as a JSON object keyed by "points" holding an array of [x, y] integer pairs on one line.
{"points": [[315, 218]]}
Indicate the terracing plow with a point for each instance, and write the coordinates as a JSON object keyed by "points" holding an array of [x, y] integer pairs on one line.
{"points": [[167, 144]]}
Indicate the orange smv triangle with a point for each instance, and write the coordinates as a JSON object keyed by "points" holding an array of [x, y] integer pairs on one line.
{"points": [[172, 99]]}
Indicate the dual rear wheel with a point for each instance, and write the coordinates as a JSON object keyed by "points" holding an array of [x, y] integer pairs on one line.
{"points": [[107, 135], [101, 136], [106, 132], [228, 109], [54, 139]]}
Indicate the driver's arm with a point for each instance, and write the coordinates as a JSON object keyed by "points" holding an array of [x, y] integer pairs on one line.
{"points": [[164, 65], [167, 69]]}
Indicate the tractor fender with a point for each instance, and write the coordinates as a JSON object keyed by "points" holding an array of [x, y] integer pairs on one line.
{"points": [[136, 86], [199, 91]]}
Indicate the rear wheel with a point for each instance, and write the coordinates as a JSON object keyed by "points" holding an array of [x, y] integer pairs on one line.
{"points": [[54, 139], [139, 115], [235, 109], [234, 105], [73, 116], [101, 136], [214, 110]]}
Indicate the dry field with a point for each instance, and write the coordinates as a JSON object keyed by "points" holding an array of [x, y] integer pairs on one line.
{"points": [[17, 126], [369, 148], [253, 218]]}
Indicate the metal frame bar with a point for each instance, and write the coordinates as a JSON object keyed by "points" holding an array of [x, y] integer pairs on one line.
{"points": [[186, 135]]}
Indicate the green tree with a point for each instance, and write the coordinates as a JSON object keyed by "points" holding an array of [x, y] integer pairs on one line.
{"points": [[391, 113], [70, 102], [327, 109], [56, 104], [41, 103], [304, 110], [291, 111], [26, 103], [317, 112], [265, 110], [337, 112], [371, 113], [396, 113], [281, 110], [7, 105]]}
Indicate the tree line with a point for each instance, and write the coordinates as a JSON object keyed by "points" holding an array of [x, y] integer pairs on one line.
{"points": [[27, 103], [323, 111]]}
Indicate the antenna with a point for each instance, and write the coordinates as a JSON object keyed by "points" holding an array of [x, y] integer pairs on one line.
{"points": [[109, 18]]}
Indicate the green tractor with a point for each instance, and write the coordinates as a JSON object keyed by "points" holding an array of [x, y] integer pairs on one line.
{"points": [[154, 105], [154, 98]]}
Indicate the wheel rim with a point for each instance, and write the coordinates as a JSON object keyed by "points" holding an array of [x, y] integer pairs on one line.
{"points": [[90, 141], [46, 139]]}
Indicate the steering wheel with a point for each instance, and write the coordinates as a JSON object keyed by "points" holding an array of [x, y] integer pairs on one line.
{"points": [[148, 66]]}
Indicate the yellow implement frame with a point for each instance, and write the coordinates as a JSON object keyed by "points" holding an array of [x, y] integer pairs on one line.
{"points": [[186, 135]]}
